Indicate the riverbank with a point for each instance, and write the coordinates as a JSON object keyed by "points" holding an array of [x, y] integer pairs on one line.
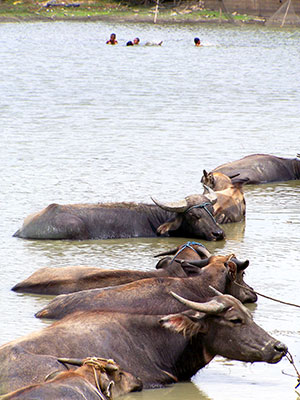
{"points": [[187, 12]]}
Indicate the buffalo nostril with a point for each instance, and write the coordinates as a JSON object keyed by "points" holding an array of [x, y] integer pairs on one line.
{"points": [[281, 347], [219, 235]]}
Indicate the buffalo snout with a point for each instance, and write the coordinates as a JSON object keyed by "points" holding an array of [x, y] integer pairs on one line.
{"points": [[218, 234], [279, 351]]}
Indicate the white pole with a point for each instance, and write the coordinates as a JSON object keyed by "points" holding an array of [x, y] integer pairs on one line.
{"points": [[286, 11], [156, 11]]}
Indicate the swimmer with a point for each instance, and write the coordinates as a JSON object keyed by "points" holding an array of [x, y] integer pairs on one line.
{"points": [[136, 41], [129, 43], [154, 43], [197, 42], [112, 39]]}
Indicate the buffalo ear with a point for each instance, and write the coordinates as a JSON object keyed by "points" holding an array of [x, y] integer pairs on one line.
{"points": [[171, 225], [185, 324], [232, 270]]}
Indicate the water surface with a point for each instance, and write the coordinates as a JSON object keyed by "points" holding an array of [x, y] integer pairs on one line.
{"points": [[85, 122]]}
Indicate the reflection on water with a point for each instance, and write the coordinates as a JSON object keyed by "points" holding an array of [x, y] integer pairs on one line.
{"points": [[86, 122], [188, 391]]}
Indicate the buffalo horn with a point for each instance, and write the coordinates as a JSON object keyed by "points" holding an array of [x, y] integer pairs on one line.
{"points": [[72, 361], [217, 293], [176, 206], [197, 263], [210, 307], [211, 195], [167, 253], [202, 251], [111, 367]]}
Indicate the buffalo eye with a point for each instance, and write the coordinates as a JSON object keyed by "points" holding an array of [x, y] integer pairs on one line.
{"points": [[236, 321]]}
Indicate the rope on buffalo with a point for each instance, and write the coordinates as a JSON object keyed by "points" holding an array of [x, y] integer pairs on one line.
{"points": [[267, 297], [291, 360], [97, 365], [288, 354], [189, 245]]}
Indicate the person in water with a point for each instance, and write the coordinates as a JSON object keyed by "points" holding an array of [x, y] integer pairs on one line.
{"points": [[197, 42], [112, 39], [129, 43], [136, 41]]}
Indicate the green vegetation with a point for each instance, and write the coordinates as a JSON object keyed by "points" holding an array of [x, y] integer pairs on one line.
{"points": [[188, 11]]}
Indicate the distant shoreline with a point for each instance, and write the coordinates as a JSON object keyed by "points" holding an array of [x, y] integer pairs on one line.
{"points": [[189, 13]]}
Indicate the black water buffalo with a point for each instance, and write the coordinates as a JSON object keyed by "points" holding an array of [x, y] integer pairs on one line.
{"points": [[231, 203], [261, 168], [141, 344], [151, 296], [96, 379], [191, 217], [64, 280]]}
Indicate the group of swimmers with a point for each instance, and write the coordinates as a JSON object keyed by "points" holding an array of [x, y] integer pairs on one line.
{"points": [[113, 40]]}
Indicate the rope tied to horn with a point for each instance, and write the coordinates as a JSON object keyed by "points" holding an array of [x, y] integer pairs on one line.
{"points": [[189, 245], [204, 206], [100, 364]]}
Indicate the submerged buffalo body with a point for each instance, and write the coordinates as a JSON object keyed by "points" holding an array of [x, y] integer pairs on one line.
{"points": [[261, 168], [96, 379], [190, 217], [151, 296], [64, 280], [141, 344]]}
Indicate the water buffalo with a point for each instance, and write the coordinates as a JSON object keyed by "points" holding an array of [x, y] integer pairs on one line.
{"points": [[261, 168], [231, 204], [141, 344], [64, 280], [151, 296], [190, 217], [96, 379]]}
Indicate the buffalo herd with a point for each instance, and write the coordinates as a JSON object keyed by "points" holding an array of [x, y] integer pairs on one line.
{"points": [[118, 331]]}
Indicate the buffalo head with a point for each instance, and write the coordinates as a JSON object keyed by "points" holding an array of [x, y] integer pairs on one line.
{"points": [[229, 268], [226, 328], [193, 217], [105, 374]]}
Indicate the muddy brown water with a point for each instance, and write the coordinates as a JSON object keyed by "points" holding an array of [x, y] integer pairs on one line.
{"points": [[85, 122]]}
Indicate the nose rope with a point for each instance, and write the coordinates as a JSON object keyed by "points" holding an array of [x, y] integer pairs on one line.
{"points": [[184, 246], [291, 360], [204, 206], [267, 297]]}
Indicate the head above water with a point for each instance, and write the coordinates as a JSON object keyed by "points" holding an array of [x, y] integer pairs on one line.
{"points": [[197, 41], [136, 40]]}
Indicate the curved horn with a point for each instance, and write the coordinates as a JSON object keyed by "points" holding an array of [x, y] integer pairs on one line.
{"points": [[111, 367], [72, 361], [202, 251], [216, 292], [210, 307], [211, 195], [167, 253], [176, 206], [197, 263]]}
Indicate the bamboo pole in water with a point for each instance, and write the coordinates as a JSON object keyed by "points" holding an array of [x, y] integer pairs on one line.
{"points": [[156, 11], [286, 11]]}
